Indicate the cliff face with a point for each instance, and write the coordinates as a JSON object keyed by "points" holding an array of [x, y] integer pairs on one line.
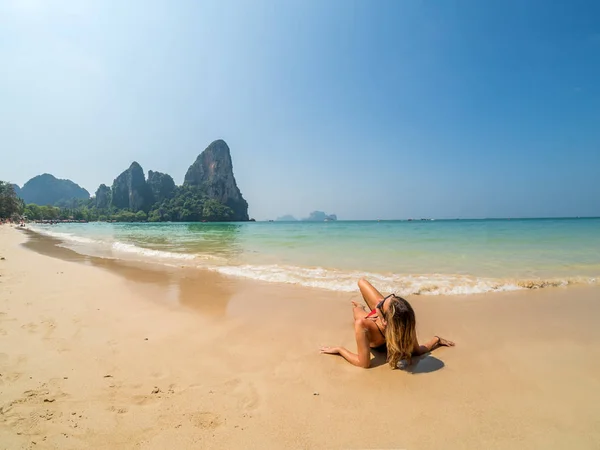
{"points": [[103, 195], [46, 189], [209, 193], [129, 190], [161, 185], [213, 172]]}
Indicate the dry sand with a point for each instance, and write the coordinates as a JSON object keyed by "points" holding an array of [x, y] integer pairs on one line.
{"points": [[102, 354]]}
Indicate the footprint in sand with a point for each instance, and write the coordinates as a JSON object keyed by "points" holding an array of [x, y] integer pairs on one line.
{"points": [[30, 396], [49, 327], [159, 375], [33, 394], [154, 397], [245, 392], [31, 327], [9, 377], [4, 317], [143, 400], [233, 383], [33, 405], [156, 394], [204, 419], [30, 422], [117, 410]]}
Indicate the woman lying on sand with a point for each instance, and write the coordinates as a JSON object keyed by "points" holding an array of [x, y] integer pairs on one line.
{"points": [[392, 323]]}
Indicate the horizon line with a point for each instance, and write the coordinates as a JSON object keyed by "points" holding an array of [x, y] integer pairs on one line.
{"points": [[434, 219]]}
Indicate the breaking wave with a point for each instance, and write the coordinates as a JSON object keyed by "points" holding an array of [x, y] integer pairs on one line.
{"points": [[401, 284], [317, 277]]}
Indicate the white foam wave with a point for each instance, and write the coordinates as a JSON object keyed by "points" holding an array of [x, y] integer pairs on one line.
{"points": [[64, 236], [117, 246], [146, 252], [401, 284], [318, 277]]}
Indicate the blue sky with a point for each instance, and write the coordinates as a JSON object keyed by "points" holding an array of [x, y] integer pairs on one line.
{"points": [[367, 109]]}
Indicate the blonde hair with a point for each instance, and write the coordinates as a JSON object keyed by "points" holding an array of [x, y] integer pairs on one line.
{"points": [[400, 331]]}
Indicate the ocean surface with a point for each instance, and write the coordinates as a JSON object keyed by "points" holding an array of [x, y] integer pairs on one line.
{"points": [[405, 257]]}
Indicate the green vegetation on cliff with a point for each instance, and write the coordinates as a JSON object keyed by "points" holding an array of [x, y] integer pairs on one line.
{"points": [[213, 173], [209, 193], [46, 189], [11, 206], [162, 187], [130, 190], [103, 197], [188, 204]]}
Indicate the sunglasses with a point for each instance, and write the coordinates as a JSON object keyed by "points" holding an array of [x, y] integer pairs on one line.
{"points": [[379, 305]]}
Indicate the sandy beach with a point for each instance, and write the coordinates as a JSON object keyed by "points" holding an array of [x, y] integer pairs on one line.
{"points": [[96, 353]]}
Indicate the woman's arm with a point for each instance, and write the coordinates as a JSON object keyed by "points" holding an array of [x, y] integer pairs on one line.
{"points": [[430, 345], [363, 358]]}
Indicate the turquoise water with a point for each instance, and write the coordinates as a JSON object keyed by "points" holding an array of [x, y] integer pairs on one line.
{"points": [[408, 257]]}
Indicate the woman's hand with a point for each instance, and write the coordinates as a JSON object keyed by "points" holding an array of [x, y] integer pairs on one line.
{"points": [[431, 344], [445, 342], [330, 350], [356, 305]]}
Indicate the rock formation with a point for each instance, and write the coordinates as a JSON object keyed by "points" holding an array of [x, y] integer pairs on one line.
{"points": [[213, 173], [209, 193], [46, 189], [161, 185], [103, 196], [129, 190]]}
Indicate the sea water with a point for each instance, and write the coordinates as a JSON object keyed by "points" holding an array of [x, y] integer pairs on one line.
{"points": [[405, 257]]}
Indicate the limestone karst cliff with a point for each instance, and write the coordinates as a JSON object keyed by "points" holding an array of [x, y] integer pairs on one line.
{"points": [[213, 172]]}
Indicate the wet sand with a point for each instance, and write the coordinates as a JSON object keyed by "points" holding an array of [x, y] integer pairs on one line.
{"points": [[97, 353]]}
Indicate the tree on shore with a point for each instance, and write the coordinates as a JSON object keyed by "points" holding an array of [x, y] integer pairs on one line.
{"points": [[186, 204], [10, 204]]}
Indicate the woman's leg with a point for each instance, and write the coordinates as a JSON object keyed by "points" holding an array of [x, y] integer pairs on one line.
{"points": [[371, 295]]}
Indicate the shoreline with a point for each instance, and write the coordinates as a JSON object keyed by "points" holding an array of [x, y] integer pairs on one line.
{"points": [[169, 275], [335, 276], [236, 363]]}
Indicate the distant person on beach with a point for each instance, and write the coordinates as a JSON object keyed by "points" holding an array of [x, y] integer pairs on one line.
{"points": [[389, 326]]}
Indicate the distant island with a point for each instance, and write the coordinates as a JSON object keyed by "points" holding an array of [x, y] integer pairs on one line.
{"points": [[209, 193], [315, 216], [320, 216], [286, 218]]}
